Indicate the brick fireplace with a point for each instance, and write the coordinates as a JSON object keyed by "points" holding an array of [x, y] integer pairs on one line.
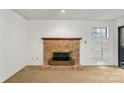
{"points": [[64, 50]]}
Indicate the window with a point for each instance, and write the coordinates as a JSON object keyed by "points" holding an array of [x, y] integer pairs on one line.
{"points": [[99, 32]]}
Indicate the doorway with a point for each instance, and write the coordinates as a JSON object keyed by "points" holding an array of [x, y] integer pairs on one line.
{"points": [[121, 46]]}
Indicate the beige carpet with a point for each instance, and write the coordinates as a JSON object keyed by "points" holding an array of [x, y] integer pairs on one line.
{"points": [[91, 74]]}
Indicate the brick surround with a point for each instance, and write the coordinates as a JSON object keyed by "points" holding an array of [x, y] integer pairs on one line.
{"points": [[71, 45]]}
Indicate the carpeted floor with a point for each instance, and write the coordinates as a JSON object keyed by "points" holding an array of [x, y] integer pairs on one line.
{"points": [[90, 74]]}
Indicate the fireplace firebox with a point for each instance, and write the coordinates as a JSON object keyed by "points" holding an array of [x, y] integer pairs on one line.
{"points": [[61, 56]]}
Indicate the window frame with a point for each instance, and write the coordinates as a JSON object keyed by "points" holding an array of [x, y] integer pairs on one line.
{"points": [[100, 37]]}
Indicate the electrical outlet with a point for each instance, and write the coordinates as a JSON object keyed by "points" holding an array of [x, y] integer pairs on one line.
{"points": [[37, 58], [85, 41]]}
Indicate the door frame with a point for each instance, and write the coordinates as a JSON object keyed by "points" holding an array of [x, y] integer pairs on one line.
{"points": [[119, 44]]}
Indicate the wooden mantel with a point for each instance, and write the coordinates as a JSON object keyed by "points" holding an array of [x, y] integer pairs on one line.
{"points": [[59, 38]]}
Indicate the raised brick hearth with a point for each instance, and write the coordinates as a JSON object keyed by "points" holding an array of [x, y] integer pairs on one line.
{"points": [[71, 45]]}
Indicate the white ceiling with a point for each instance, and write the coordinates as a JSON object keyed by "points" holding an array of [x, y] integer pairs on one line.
{"points": [[71, 14]]}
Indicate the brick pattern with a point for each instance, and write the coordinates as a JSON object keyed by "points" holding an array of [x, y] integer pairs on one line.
{"points": [[72, 46]]}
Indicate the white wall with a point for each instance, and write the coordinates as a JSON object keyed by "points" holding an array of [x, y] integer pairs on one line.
{"points": [[66, 28], [13, 43], [120, 21]]}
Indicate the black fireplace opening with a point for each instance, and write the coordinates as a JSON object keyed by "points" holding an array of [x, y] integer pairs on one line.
{"points": [[61, 56]]}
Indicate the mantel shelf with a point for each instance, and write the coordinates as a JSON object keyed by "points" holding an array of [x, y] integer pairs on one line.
{"points": [[61, 38]]}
